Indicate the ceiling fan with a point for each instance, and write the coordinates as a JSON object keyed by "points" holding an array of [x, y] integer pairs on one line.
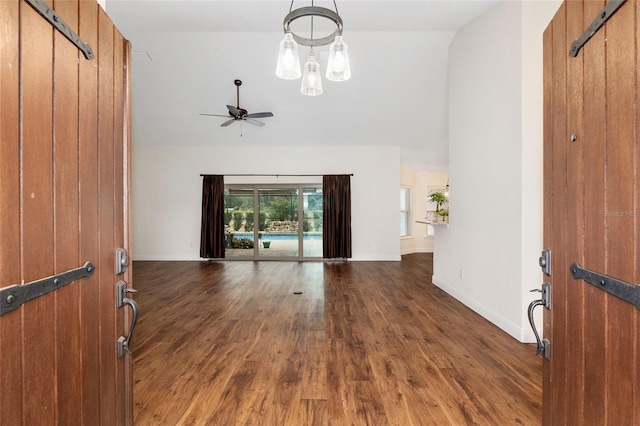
{"points": [[238, 113]]}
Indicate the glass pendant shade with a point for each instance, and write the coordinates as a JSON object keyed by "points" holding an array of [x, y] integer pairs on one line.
{"points": [[311, 79], [338, 68], [288, 67]]}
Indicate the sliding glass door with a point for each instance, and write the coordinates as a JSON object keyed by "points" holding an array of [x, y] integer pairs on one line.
{"points": [[312, 221], [273, 222], [279, 235], [239, 222]]}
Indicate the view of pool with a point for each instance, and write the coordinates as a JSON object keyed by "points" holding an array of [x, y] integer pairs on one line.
{"points": [[278, 236]]}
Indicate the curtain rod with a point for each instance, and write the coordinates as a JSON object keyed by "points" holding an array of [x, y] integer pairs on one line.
{"points": [[241, 174]]}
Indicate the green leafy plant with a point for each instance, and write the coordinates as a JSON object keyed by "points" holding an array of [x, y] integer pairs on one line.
{"points": [[242, 243], [248, 225], [237, 220], [438, 198], [262, 219], [284, 209]]}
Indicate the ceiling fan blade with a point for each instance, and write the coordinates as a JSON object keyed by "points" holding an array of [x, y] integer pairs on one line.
{"points": [[259, 115], [233, 110], [216, 115], [254, 122], [226, 123]]}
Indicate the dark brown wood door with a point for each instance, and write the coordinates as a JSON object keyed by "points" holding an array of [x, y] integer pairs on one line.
{"points": [[63, 202], [591, 206]]}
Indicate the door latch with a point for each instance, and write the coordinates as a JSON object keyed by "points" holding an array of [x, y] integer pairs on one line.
{"points": [[543, 345], [122, 261], [545, 261]]}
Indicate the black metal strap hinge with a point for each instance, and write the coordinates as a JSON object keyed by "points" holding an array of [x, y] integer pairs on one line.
{"points": [[627, 292], [54, 19], [15, 295], [605, 14]]}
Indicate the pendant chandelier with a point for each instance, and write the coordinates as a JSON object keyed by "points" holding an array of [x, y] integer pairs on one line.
{"points": [[288, 68]]}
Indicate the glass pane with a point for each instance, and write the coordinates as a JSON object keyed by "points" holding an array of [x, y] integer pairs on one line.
{"points": [[404, 197], [312, 222], [238, 222], [278, 222], [404, 224]]}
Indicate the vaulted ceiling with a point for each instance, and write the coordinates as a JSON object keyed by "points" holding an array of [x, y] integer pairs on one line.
{"points": [[188, 53]]}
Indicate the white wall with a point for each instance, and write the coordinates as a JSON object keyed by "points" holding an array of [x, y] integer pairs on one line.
{"points": [[536, 17], [167, 192], [487, 257]]}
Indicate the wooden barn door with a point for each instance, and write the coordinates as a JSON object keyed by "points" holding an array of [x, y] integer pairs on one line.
{"points": [[591, 209], [63, 202]]}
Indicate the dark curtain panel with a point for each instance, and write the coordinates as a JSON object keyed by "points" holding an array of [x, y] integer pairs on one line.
{"points": [[336, 212], [212, 232]]}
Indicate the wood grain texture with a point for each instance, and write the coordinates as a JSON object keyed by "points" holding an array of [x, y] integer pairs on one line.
{"points": [[118, 198], [66, 216], [621, 221], [58, 189], [37, 211], [10, 242], [126, 216], [558, 243], [592, 184], [89, 213], [366, 343], [636, 315], [574, 355], [106, 235], [547, 65], [594, 224]]}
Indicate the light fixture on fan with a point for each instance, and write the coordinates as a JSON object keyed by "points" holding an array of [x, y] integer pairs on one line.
{"points": [[288, 67]]}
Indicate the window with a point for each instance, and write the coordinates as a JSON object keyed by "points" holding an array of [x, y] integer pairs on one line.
{"points": [[405, 211]]}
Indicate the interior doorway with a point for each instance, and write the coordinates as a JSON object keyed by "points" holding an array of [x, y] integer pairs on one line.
{"points": [[273, 222]]}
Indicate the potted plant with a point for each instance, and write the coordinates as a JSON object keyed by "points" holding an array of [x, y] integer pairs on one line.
{"points": [[444, 214], [439, 199]]}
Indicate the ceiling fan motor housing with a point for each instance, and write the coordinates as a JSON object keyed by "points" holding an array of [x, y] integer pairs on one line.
{"points": [[241, 113]]}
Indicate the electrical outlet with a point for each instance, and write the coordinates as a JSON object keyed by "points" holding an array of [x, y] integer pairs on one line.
{"points": [[461, 273]]}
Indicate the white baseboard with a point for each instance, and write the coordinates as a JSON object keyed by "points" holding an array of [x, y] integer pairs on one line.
{"points": [[165, 257], [388, 258], [414, 250], [521, 334]]}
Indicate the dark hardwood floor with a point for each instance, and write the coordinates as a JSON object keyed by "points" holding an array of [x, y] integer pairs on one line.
{"points": [[366, 343]]}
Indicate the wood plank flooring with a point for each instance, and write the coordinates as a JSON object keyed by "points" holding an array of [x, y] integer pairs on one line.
{"points": [[366, 343]]}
